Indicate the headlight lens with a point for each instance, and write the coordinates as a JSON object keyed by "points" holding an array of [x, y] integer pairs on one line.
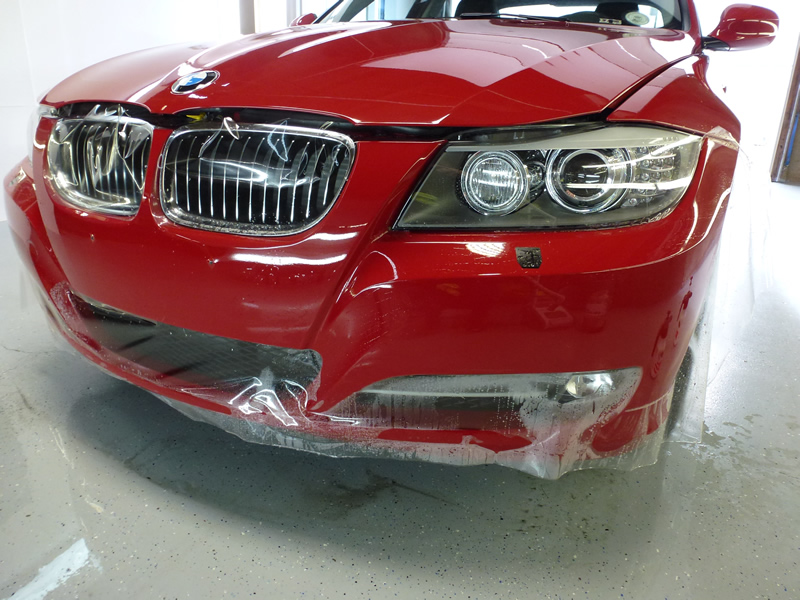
{"points": [[587, 181], [569, 177], [494, 183]]}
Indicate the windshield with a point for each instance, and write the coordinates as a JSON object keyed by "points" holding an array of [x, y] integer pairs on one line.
{"points": [[645, 13]]}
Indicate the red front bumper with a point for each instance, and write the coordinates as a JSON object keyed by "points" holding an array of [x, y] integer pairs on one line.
{"points": [[376, 304]]}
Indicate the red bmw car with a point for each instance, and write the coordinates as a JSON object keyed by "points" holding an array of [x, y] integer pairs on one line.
{"points": [[475, 231]]}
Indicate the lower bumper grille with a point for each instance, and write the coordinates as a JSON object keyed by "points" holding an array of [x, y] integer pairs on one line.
{"points": [[199, 359]]}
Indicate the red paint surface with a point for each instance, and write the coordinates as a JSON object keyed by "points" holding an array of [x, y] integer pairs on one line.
{"points": [[447, 73], [745, 26]]}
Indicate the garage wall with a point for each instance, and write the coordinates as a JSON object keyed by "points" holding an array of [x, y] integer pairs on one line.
{"points": [[43, 41]]}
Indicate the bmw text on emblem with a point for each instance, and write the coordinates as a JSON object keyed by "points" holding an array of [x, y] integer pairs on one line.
{"points": [[194, 81]]}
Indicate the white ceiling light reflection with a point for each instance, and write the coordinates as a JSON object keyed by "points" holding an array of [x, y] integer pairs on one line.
{"points": [[488, 249], [282, 261], [334, 237], [335, 35]]}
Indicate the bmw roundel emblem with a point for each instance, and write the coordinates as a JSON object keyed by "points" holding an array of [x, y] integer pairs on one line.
{"points": [[194, 81]]}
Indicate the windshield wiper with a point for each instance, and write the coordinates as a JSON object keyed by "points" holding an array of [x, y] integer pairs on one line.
{"points": [[479, 15]]}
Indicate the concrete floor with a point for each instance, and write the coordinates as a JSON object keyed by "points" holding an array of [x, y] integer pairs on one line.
{"points": [[107, 493]]}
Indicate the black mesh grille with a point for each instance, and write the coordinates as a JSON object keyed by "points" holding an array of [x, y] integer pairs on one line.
{"points": [[258, 180], [199, 359]]}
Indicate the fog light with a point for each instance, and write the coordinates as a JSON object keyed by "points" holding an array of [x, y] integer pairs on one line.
{"points": [[485, 401], [494, 183], [582, 385]]}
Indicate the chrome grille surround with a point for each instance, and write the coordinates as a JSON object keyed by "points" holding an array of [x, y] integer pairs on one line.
{"points": [[258, 180], [99, 162]]}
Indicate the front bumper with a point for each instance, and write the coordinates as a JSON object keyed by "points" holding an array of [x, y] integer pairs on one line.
{"points": [[359, 304]]}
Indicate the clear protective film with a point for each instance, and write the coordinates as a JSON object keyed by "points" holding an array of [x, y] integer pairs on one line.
{"points": [[544, 424], [745, 267], [98, 161], [741, 274]]}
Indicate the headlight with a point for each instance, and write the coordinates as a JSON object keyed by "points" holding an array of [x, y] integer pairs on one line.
{"points": [[555, 177]]}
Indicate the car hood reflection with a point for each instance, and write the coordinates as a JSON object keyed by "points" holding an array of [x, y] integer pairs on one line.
{"points": [[451, 73]]}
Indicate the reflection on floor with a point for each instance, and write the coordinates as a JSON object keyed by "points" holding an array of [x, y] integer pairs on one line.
{"points": [[105, 492]]}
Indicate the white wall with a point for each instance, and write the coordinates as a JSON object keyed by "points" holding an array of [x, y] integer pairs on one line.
{"points": [[314, 6]]}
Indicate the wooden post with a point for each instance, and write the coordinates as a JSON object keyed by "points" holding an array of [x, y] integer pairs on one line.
{"points": [[247, 16], [786, 161]]}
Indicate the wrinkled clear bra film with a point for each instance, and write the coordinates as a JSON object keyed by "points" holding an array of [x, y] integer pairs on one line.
{"points": [[542, 424]]}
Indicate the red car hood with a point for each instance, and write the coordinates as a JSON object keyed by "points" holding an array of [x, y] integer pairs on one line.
{"points": [[449, 73]]}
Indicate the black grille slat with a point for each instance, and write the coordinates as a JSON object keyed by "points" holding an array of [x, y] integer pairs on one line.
{"points": [[81, 159], [327, 176], [255, 180], [199, 185], [187, 192], [211, 179], [282, 210], [313, 180], [250, 200], [225, 182], [123, 167], [267, 189], [299, 181]]}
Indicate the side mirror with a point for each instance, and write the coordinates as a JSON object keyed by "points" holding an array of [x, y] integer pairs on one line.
{"points": [[743, 27], [306, 19]]}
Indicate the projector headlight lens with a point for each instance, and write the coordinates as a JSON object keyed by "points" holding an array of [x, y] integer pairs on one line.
{"points": [[588, 181]]}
